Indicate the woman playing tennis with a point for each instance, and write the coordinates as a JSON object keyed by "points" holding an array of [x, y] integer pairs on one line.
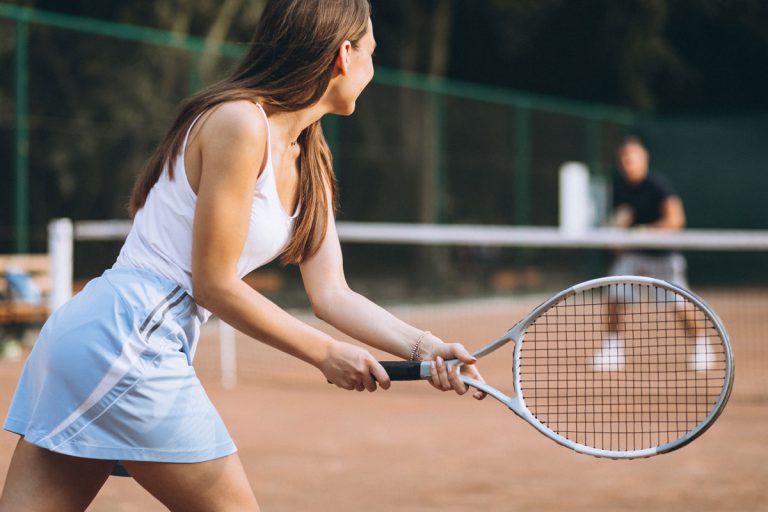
{"points": [[243, 176]]}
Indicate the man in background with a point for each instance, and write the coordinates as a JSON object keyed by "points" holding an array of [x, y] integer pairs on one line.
{"points": [[645, 199]]}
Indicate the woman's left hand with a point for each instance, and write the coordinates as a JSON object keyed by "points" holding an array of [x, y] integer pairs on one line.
{"points": [[446, 377]]}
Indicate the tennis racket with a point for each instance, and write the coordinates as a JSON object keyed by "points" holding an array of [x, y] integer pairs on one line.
{"points": [[619, 367]]}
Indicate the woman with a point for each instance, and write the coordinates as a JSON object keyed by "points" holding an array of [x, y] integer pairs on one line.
{"points": [[243, 175]]}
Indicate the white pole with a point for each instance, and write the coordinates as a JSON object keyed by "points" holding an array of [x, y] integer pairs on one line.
{"points": [[228, 353], [60, 250], [575, 204]]}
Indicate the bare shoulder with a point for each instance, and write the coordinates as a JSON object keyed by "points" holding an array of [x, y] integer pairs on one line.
{"points": [[234, 122]]}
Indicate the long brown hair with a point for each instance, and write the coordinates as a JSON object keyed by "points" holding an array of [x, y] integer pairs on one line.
{"points": [[288, 66]]}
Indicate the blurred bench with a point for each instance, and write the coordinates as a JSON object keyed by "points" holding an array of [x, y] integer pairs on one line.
{"points": [[23, 309], [18, 315]]}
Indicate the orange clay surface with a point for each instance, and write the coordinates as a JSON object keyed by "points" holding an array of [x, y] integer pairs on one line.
{"points": [[308, 446]]}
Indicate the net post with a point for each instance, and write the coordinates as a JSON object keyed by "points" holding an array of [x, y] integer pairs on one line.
{"points": [[60, 249], [575, 204], [228, 355]]}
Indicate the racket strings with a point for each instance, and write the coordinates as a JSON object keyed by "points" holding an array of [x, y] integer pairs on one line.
{"points": [[622, 367]]}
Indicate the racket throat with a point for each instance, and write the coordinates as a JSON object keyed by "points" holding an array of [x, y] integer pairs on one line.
{"points": [[491, 391]]}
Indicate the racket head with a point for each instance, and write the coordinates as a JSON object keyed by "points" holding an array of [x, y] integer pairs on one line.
{"points": [[653, 389]]}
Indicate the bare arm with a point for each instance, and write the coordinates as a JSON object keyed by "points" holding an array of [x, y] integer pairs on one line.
{"points": [[334, 302], [622, 217], [671, 210], [232, 144], [672, 215]]}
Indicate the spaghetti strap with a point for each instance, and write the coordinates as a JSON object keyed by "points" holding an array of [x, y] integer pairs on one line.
{"points": [[269, 133], [189, 130]]}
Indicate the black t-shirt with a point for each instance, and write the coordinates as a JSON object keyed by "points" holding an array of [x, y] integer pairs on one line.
{"points": [[645, 198]]}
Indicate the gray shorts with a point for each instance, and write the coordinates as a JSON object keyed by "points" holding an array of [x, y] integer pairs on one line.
{"points": [[670, 267]]}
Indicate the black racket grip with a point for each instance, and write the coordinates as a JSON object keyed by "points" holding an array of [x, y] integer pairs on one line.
{"points": [[402, 370]]}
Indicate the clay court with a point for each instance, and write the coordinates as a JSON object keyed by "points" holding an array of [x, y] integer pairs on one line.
{"points": [[479, 162], [308, 446]]}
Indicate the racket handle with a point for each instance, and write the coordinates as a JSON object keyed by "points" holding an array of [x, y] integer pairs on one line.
{"points": [[403, 370]]}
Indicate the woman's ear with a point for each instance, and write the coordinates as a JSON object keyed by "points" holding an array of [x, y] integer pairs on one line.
{"points": [[342, 58]]}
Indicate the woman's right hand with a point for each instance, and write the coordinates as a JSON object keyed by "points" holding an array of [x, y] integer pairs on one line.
{"points": [[351, 367]]}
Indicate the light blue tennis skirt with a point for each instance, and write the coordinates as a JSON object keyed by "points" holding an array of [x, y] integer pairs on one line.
{"points": [[111, 377]]}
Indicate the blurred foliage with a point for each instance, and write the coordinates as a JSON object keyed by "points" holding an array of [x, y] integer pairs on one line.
{"points": [[664, 54], [667, 55], [98, 105]]}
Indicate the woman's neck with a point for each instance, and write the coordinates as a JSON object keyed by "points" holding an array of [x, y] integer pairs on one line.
{"points": [[287, 126]]}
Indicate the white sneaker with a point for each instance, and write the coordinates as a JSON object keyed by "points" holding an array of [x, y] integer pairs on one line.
{"points": [[611, 356], [703, 357]]}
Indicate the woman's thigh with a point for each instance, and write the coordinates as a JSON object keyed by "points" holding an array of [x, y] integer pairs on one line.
{"points": [[218, 485], [40, 480]]}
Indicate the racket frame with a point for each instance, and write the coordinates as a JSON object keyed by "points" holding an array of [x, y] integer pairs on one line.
{"points": [[517, 404]]}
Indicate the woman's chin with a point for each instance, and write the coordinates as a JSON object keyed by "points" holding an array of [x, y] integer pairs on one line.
{"points": [[345, 110]]}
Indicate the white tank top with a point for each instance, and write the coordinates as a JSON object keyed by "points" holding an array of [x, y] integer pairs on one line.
{"points": [[160, 239]]}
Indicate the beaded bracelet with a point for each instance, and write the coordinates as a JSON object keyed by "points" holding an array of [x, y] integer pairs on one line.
{"points": [[415, 352]]}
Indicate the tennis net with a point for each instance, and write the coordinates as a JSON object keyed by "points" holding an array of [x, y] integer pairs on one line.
{"points": [[469, 283]]}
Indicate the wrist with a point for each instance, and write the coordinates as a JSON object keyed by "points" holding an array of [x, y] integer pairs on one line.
{"points": [[430, 347], [415, 353], [322, 352]]}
